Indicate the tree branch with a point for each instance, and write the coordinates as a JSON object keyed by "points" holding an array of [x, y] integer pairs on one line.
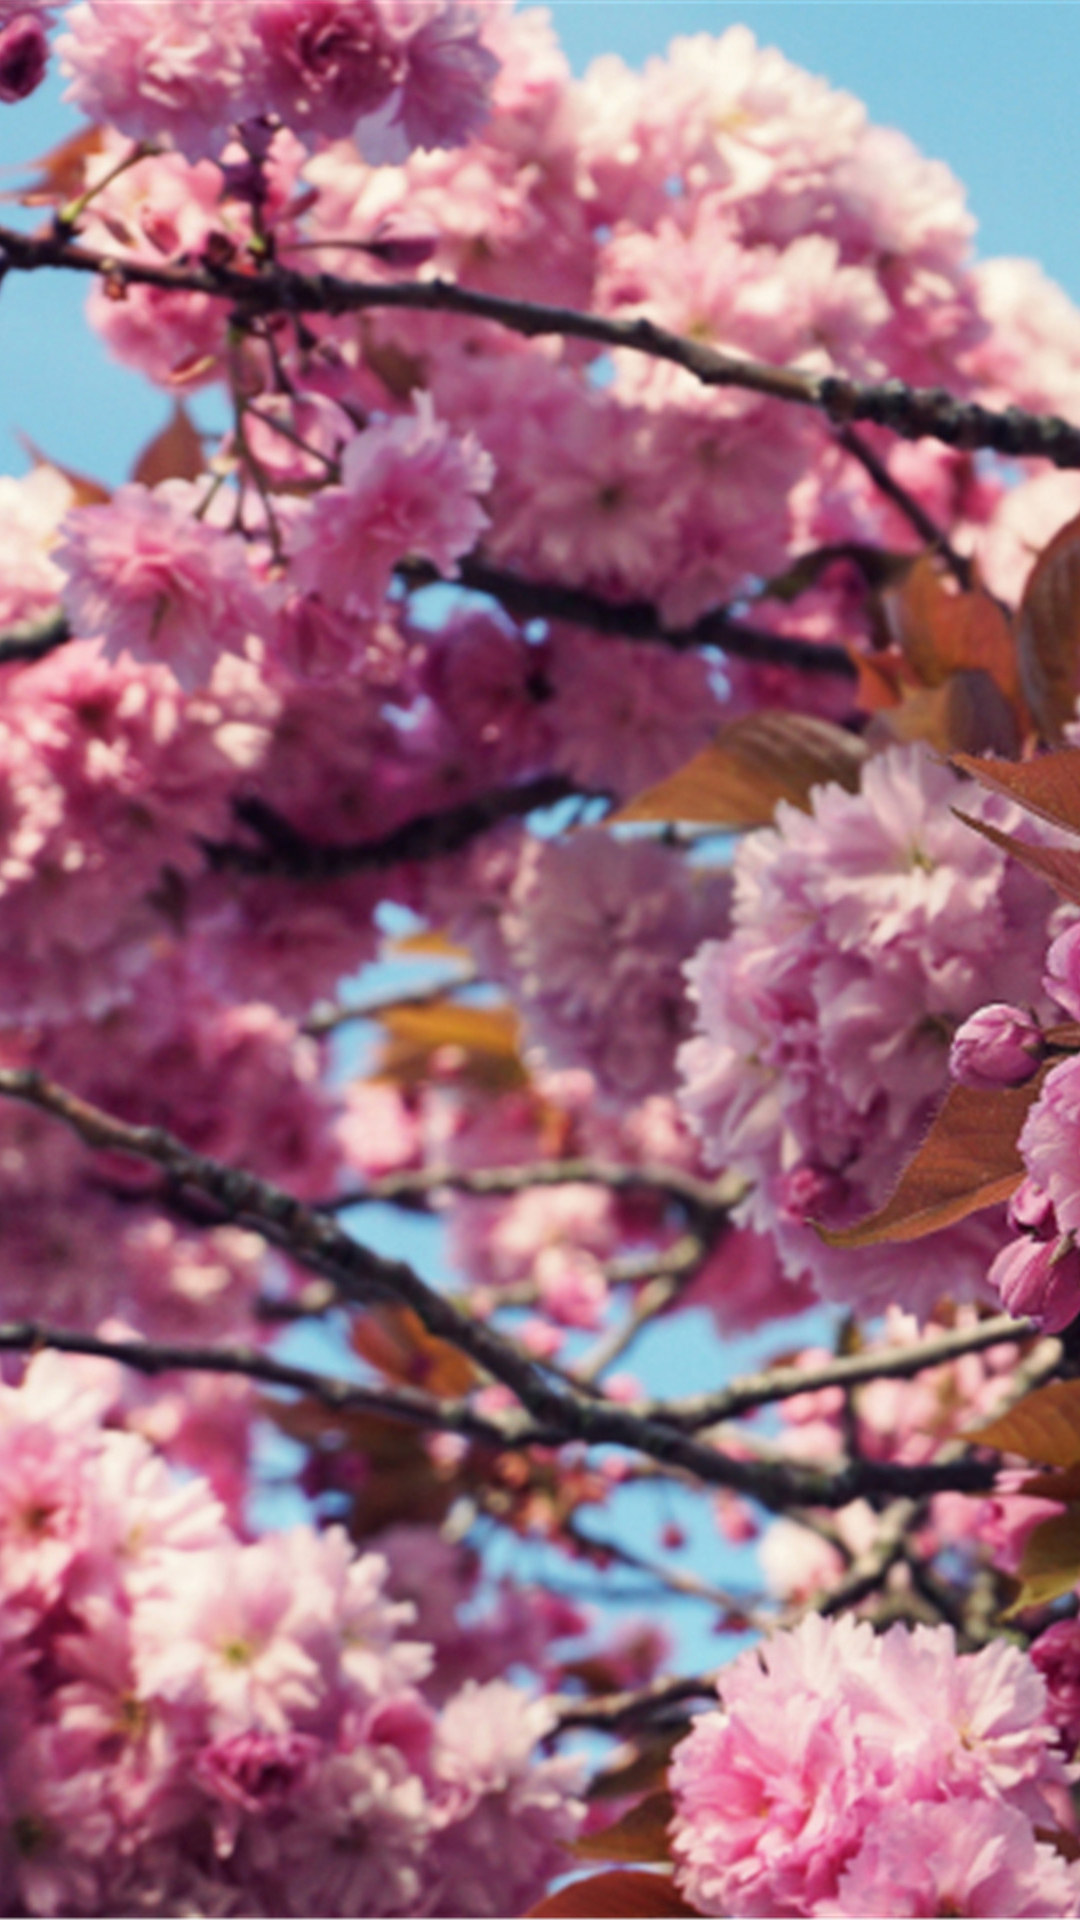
{"points": [[924, 524], [429, 836], [635, 619], [914, 413], [340, 1396], [33, 639], [560, 1415], [610, 1712]]}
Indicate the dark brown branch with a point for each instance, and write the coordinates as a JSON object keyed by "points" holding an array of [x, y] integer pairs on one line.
{"points": [[33, 639], [429, 836], [340, 1396], [914, 413], [610, 1712], [559, 1414], [637, 619], [924, 524]]}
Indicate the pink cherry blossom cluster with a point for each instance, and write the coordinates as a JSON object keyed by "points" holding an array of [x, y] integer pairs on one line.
{"points": [[849, 1774], [860, 940], [193, 1719], [344, 663], [400, 76]]}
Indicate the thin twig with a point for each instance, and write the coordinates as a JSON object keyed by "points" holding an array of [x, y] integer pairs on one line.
{"points": [[610, 1712], [559, 1415], [709, 1197], [924, 524], [878, 1363], [329, 1017]]}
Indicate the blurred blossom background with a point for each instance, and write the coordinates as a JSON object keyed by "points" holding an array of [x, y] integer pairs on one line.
{"points": [[991, 90]]}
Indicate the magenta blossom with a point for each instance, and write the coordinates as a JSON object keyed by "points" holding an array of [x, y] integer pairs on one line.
{"points": [[1000, 1046]]}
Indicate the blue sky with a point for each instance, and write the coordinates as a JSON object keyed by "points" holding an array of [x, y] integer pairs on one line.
{"points": [[991, 89]]}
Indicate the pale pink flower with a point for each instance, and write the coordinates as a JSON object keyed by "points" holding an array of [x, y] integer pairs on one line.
{"points": [[325, 63], [31, 510], [494, 1803], [597, 934], [176, 68], [981, 1860], [623, 716], [861, 940], [446, 83], [1050, 1139], [409, 487], [827, 1726], [158, 584]]}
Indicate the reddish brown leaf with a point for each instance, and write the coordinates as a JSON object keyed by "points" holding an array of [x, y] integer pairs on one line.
{"points": [[969, 1160], [738, 779], [1050, 1562], [88, 492], [641, 1834], [619, 1895], [1058, 866], [1048, 633], [1044, 1426], [1048, 785], [942, 632], [176, 453], [481, 1041], [61, 172], [396, 1342], [964, 713]]}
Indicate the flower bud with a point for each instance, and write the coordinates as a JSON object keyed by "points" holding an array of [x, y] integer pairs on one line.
{"points": [[1039, 1279], [24, 56], [999, 1046]]}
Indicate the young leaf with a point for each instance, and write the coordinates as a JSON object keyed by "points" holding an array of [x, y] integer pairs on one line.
{"points": [[942, 632], [88, 491], [61, 171], [485, 1038], [395, 1340], [619, 1895], [1044, 1426], [176, 453], [966, 713], [969, 1160], [1048, 633], [1048, 785], [738, 779], [1059, 866], [641, 1834], [1050, 1562]]}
